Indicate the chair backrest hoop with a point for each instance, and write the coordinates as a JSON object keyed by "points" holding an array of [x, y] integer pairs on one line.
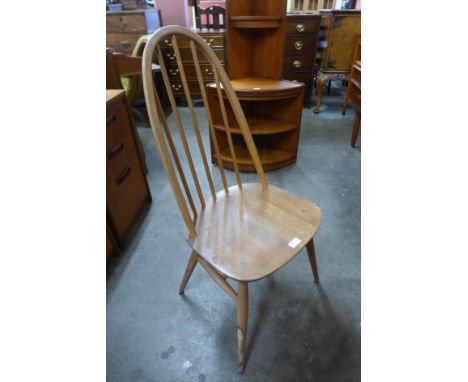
{"points": [[157, 117]]}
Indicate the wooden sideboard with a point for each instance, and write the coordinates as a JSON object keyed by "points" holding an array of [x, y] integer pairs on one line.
{"points": [[124, 28], [127, 189], [215, 39], [300, 48]]}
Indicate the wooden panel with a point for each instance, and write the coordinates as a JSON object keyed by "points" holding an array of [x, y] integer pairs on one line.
{"points": [[298, 63], [264, 221], [213, 40], [343, 42], [190, 72], [304, 77], [302, 25], [126, 194], [194, 87], [127, 188], [124, 43], [187, 56], [300, 45], [126, 23]]}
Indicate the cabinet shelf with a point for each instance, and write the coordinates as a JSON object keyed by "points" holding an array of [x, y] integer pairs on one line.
{"points": [[267, 154], [255, 22], [260, 125]]}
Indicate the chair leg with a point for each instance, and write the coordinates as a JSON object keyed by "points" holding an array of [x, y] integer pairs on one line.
{"points": [[242, 316], [313, 262], [356, 128], [188, 271]]}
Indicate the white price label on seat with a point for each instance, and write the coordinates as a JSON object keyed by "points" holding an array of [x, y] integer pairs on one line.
{"points": [[294, 242]]}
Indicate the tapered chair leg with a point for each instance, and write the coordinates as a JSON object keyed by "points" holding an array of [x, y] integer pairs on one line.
{"points": [[313, 263], [188, 271], [242, 316], [356, 128]]}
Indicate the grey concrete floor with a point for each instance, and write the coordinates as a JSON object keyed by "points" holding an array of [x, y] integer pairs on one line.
{"points": [[297, 331]]}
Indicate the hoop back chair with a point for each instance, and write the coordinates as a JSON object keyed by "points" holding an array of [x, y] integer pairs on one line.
{"points": [[244, 232]]}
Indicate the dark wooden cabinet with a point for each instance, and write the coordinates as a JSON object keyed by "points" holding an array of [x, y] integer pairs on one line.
{"points": [[300, 48], [215, 39], [339, 30], [127, 189], [124, 28], [337, 41]]}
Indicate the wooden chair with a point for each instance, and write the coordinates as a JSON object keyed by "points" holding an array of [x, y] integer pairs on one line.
{"points": [[244, 232], [214, 17]]}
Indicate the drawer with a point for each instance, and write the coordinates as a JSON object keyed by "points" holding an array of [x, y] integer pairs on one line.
{"points": [[190, 72], [117, 124], [122, 23], [187, 56], [124, 43], [298, 63], [302, 26], [215, 41], [194, 87], [300, 45], [126, 194], [119, 155], [305, 78]]}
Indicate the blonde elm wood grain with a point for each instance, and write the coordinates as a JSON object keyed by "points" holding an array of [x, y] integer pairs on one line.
{"points": [[243, 232], [242, 318]]}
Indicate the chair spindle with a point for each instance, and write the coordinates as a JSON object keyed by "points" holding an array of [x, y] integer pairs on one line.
{"points": [[208, 115]]}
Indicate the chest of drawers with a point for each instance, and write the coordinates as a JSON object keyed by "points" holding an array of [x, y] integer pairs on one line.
{"points": [[300, 48], [127, 189], [215, 39], [124, 28]]}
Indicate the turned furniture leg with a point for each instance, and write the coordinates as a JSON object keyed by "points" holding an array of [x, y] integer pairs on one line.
{"points": [[320, 82], [188, 271], [356, 128], [242, 315], [313, 261]]}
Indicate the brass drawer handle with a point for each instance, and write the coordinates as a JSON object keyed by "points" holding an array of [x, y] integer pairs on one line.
{"points": [[116, 149], [209, 42], [178, 87], [110, 119], [123, 175], [125, 44], [120, 23], [171, 56], [297, 63], [174, 72], [167, 43], [208, 72], [298, 45], [300, 28]]}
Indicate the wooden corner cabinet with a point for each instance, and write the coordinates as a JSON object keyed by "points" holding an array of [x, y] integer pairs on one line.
{"points": [[273, 107], [274, 115]]}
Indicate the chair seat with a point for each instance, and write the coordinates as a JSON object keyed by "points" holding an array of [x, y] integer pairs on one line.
{"points": [[249, 234]]}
